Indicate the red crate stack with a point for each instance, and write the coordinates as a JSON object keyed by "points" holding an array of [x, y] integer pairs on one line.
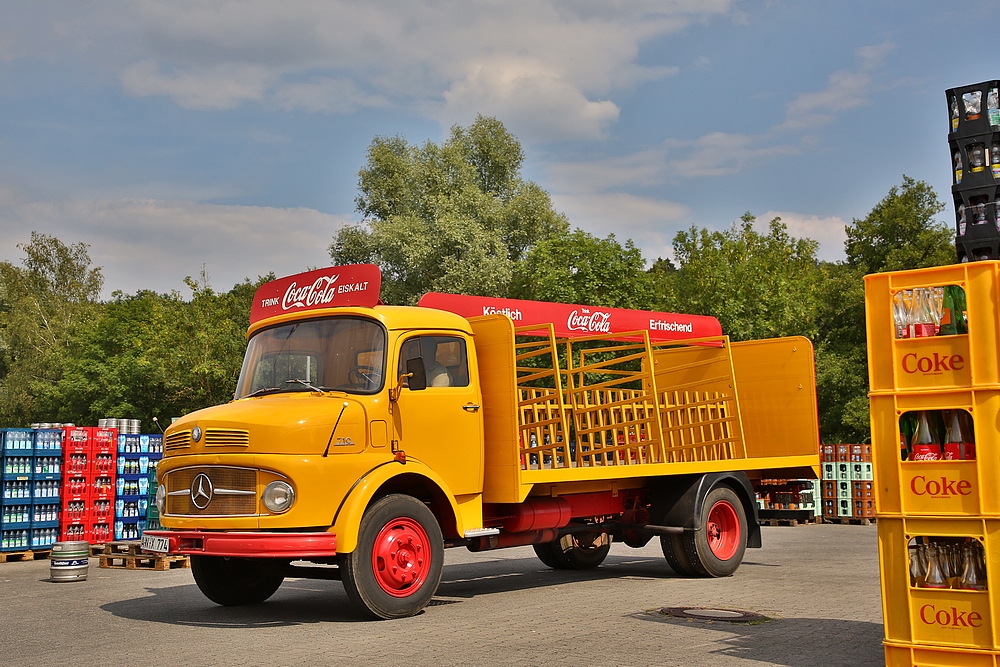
{"points": [[88, 483]]}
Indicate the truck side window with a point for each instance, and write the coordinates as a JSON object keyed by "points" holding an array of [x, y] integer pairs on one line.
{"points": [[445, 359]]}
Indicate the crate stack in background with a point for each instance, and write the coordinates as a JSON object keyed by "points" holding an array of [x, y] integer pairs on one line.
{"points": [[785, 501], [137, 455], [847, 487], [88, 484], [29, 507], [937, 493], [974, 147]]}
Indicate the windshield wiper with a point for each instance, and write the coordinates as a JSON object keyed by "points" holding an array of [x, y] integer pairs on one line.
{"points": [[263, 390], [305, 383]]}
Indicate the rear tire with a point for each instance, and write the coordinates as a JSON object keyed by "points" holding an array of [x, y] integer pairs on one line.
{"points": [[676, 555], [396, 568], [717, 549], [580, 551], [235, 581]]}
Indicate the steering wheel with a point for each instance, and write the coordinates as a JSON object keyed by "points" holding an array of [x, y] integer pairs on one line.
{"points": [[364, 376]]}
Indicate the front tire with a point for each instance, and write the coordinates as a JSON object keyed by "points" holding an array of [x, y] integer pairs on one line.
{"points": [[235, 581], [717, 549], [396, 568]]}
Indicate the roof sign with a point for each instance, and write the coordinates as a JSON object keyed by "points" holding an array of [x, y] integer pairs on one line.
{"points": [[351, 285], [574, 321]]}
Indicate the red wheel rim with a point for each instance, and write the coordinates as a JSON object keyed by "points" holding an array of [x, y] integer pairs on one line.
{"points": [[723, 530], [400, 557]]}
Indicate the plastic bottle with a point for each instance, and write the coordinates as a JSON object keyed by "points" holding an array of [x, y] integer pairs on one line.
{"points": [[992, 106], [954, 113]]}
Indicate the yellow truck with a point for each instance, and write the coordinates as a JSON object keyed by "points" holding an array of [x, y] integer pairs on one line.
{"points": [[364, 439]]}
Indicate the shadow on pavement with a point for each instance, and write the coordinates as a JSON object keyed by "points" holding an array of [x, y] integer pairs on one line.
{"points": [[797, 642], [302, 601]]}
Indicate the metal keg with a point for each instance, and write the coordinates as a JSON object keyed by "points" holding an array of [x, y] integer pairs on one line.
{"points": [[69, 561]]}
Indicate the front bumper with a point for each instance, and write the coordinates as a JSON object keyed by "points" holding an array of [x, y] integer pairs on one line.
{"points": [[293, 546]]}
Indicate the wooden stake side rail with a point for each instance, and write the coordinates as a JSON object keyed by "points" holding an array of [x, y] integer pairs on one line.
{"points": [[590, 402]]}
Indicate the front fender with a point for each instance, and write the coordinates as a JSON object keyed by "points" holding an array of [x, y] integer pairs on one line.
{"points": [[347, 519]]}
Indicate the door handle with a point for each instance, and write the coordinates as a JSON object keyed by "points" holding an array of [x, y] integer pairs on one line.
{"points": [[470, 407]]}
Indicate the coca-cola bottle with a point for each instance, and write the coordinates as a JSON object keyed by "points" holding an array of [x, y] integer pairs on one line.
{"points": [[925, 445], [958, 442], [972, 579], [935, 576], [907, 426], [918, 566]]}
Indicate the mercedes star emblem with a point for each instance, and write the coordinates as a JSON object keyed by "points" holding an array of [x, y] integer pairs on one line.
{"points": [[201, 491]]}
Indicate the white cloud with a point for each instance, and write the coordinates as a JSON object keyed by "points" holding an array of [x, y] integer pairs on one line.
{"points": [[845, 89], [721, 154], [154, 244], [529, 60], [829, 232]]}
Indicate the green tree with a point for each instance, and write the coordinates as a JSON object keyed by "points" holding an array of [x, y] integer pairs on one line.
{"points": [[757, 285], [899, 233], [44, 302], [581, 268], [452, 217]]}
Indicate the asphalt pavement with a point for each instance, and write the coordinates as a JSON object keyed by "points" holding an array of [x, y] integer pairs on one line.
{"points": [[817, 587]]}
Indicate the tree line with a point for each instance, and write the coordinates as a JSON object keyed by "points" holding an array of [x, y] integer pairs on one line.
{"points": [[453, 217]]}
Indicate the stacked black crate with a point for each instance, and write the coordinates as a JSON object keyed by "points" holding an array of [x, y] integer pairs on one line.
{"points": [[974, 142]]}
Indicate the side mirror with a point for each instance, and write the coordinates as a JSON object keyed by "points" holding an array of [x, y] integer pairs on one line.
{"points": [[418, 374]]}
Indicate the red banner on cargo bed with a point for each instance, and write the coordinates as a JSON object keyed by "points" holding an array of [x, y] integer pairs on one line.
{"points": [[352, 285], [572, 321]]}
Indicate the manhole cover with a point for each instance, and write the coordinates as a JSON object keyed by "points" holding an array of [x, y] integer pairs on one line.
{"points": [[710, 614]]}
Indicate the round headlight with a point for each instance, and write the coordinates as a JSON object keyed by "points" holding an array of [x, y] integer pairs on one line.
{"points": [[278, 497], [196, 433], [161, 499]]}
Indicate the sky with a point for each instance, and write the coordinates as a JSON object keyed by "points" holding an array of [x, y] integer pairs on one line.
{"points": [[197, 136]]}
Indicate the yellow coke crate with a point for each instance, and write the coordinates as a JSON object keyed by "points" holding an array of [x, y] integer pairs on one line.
{"points": [[909, 655], [961, 361], [946, 617], [937, 488]]}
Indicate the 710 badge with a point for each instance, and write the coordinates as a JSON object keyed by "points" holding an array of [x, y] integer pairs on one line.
{"points": [[155, 543]]}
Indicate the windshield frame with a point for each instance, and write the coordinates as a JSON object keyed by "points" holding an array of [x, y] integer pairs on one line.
{"points": [[244, 385]]}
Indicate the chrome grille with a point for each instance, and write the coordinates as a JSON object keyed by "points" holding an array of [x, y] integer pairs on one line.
{"points": [[177, 440], [233, 491], [223, 437]]}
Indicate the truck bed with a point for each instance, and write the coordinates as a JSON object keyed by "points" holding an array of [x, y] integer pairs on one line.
{"points": [[591, 409]]}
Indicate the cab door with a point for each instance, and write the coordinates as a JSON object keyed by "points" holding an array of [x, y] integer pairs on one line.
{"points": [[442, 425]]}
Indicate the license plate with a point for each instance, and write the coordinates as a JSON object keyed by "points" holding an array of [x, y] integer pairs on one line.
{"points": [[155, 543]]}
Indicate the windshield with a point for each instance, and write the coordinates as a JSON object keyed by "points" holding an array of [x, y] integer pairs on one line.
{"points": [[338, 353]]}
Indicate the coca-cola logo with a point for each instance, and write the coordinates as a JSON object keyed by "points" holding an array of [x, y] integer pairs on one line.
{"points": [[935, 364], [322, 291], [590, 322], [940, 488], [950, 618]]}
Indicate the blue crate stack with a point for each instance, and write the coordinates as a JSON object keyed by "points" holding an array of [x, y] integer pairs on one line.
{"points": [[137, 455], [29, 506]]}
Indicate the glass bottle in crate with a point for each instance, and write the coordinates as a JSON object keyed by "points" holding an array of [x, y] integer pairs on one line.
{"points": [[972, 579], [958, 167], [977, 158], [973, 102], [953, 104], [995, 159], [925, 446], [934, 576], [959, 444]]}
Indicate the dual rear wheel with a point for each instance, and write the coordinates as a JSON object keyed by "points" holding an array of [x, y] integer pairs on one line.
{"points": [[717, 549]]}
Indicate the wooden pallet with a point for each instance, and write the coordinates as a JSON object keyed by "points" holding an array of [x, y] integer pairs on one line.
{"points": [[144, 562], [850, 520], [122, 548], [96, 549], [791, 522], [16, 556]]}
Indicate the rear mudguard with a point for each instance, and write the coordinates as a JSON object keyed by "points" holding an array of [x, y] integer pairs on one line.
{"points": [[679, 500]]}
